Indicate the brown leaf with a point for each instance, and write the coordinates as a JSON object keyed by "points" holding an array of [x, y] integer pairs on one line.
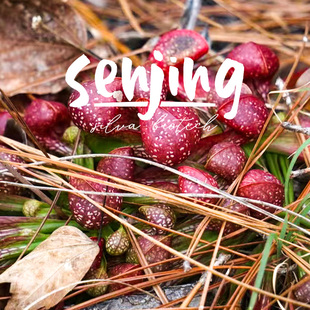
{"points": [[30, 55], [60, 261]]}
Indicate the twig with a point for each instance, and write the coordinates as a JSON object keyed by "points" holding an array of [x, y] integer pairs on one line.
{"points": [[300, 172], [221, 260], [201, 16], [191, 12], [296, 128]]}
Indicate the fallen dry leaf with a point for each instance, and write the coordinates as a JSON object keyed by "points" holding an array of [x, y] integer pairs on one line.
{"points": [[31, 55], [60, 261]]}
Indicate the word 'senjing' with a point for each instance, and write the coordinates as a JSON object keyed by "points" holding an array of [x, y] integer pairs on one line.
{"points": [[233, 86]]}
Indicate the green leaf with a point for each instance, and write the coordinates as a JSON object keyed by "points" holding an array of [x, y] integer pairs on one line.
{"points": [[106, 231], [104, 145], [273, 165], [247, 148], [99, 144], [284, 163]]}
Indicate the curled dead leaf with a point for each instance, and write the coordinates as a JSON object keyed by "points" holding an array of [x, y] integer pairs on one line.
{"points": [[31, 53], [58, 262]]}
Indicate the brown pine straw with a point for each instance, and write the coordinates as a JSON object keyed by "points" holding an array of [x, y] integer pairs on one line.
{"points": [[143, 262], [84, 287], [132, 19], [147, 190], [95, 22], [219, 291], [240, 290], [203, 241], [178, 275], [209, 275], [197, 236], [67, 165], [72, 166], [265, 23], [197, 287], [141, 188], [79, 168]]}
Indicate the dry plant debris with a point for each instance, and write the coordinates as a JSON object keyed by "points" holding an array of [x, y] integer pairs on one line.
{"points": [[91, 216]]}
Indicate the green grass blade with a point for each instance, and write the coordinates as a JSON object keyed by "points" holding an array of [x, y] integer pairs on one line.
{"points": [[272, 163], [261, 271], [291, 166], [282, 235], [284, 164]]}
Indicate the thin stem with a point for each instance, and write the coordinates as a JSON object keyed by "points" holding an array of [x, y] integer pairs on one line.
{"points": [[190, 15], [296, 128]]}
